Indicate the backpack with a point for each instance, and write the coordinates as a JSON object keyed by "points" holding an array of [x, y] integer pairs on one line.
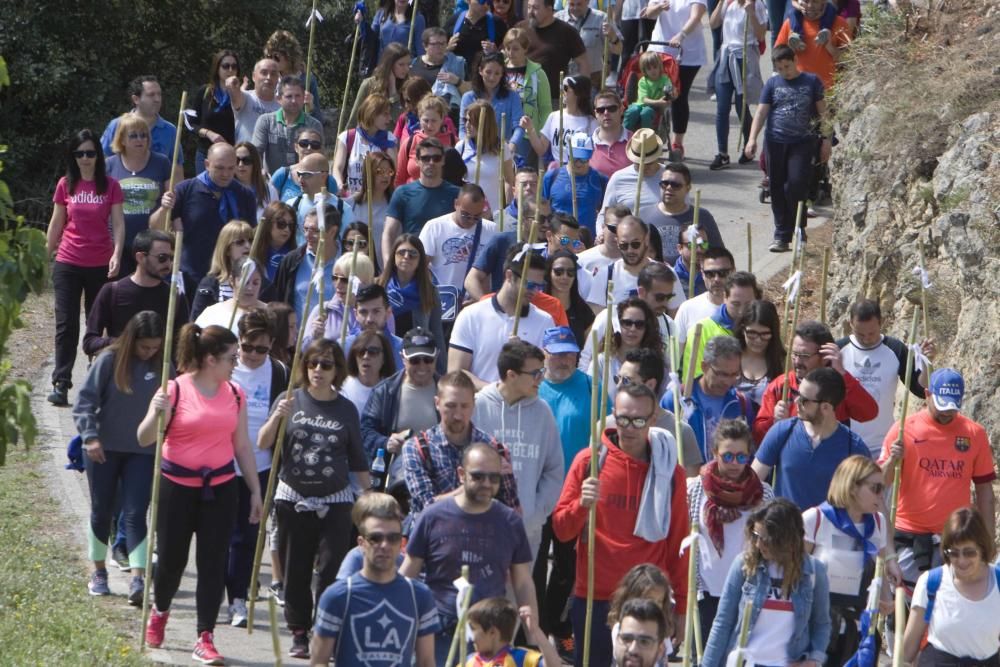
{"points": [[934, 583]]}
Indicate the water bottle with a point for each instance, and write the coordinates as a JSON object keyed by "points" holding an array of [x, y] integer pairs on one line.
{"points": [[378, 470]]}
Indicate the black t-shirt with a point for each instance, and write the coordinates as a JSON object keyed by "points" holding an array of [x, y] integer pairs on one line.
{"points": [[115, 305], [553, 47], [471, 36], [426, 72]]}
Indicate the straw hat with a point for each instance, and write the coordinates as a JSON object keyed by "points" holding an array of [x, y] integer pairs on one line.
{"points": [[644, 143]]}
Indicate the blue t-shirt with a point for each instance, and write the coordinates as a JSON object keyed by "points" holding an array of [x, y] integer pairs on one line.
{"points": [[556, 187], [198, 208], [375, 624], [446, 538], [570, 404], [793, 117], [414, 204], [805, 472], [161, 138], [491, 258]]}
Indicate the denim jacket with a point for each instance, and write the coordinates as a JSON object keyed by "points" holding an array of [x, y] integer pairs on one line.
{"points": [[449, 91], [810, 601]]}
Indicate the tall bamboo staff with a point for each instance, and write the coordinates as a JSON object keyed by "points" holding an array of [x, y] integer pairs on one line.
{"points": [[925, 284], [795, 258], [526, 259], [177, 152], [248, 269], [744, 632], [272, 613], [176, 284], [638, 180], [572, 182], [562, 95], [370, 178], [413, 24], [314, 18], [694, 245], [692, 599], [348, 301], [458, 639], [479, 143], [794, 295], [822, 285], [320, 202], [749, 249], [520, 210], [608, 335], [502, 194], [677, 389], [272, 480], [607, 52], [342, 119]]}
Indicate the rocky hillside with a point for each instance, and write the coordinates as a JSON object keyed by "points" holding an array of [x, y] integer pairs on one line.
{"points": [[918, 170]]}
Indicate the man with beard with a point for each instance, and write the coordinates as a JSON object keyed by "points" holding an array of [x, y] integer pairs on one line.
{"points": [[716, 265], [347, 613], [674, 213], [470, 528], [942, 452], [633, 242], [641, 635], [431, 458]]}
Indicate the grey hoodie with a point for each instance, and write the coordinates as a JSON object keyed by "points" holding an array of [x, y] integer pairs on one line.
{"points": [[528, 429]]}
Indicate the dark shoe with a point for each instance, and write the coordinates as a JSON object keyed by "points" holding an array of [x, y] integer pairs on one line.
{"points": [[98, 584], [120, 558], [135, 590], [744, 159], [721, 161], [566, 647], [60, 394], [778, 246], [300, 645]]}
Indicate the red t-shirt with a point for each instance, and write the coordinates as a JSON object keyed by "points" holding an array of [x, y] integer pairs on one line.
{"points": [[86, 238], [202, 430], [939, 462]]}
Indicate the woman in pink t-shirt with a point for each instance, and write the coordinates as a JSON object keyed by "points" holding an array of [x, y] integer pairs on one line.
{"points": [[206, 417], [86, 255]]}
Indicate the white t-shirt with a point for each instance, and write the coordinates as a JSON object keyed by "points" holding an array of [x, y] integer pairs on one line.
{"points": [[713, 567], [449, 247], [570, 125], [769, 637], [960, 626], [357, 393], [621, 191], [732, 24], [877, 370], [490, 171], [356, 158], [626, 285], [220, 313], [482, 328], [670, 22], [592, 259], [693, 311], [256, 384], [841, 553], [667, 328]]}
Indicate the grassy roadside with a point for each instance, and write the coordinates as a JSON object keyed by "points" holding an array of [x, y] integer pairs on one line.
{"points": [[46, 616]]}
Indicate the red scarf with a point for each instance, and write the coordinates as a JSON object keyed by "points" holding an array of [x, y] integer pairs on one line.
{"points": [[725, 499]]}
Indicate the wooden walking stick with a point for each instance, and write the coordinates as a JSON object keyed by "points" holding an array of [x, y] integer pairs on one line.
{"points": [[562, 95], [314, 18], [822, 284], [459, 637], [272, 613], [795, 257], [595, 447], [348, 301], [786, 387], [463, 646], [925, 284], [413, 24], [689, 370], [744, 633], [369, 176], [692, 270], [608, 335], [321, 223], [526, 260], [502, 194], [749, 249], [272, 481], [690, 626], [520, 210], [479, 143], [676, 388], [177, 151], [607, 53], [342, 119], [572, 182], [638, 180], [176, 284]]}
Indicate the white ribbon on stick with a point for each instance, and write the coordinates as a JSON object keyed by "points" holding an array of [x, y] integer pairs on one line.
{"points": [[318, 280], [925, 279], [525, 248], [691, 235], [355, 285], [314, 15], [874, 590], [704, 546], [189, 113], [320, 202], [920, 360], [177, 280], [675, 384], [791, 286], [463, 586]]}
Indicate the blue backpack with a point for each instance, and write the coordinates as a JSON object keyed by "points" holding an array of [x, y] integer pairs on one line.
{"points": [[934, 583]]}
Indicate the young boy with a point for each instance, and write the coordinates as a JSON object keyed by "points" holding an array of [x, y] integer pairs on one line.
{"points": [[682, 267], [493, 622], [654, 94], [792, 131]]}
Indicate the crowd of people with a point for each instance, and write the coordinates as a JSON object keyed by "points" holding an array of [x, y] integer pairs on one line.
{"points": [[421, 322]]}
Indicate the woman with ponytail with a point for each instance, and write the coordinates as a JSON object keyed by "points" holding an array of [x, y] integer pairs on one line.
{"points": [[206, 428]]}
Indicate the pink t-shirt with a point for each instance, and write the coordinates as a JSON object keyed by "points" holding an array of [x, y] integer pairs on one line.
{"points": [[86, 238], [202, 430]]}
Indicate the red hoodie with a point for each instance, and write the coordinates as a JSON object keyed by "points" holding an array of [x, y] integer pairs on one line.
{"points": [[616, 549], [407, 168], [857, 404]]}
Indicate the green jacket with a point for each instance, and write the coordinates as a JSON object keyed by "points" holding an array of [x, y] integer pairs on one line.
{"points": [[536, 98]]}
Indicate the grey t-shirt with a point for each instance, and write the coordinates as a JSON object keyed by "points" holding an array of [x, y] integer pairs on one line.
{"points": [[669, 227], [252, 109], [416, 408]]}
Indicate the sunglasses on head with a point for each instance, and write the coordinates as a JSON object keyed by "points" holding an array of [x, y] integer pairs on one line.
{"points": [[79, 154], [310, 143], [259, 349], [324, 364]]}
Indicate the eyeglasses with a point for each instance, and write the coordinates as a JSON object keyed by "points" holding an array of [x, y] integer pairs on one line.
{"points": [[370, 351], [385, 171], [407, 253], [757, 335], [802, 356], [676, 185], [259, 349], [621, 380], [325, 364], [729, 457], [799, 398], [469, 217], [632, 324], [711, 274], [536, 374], [631, 422], [309, 174], [162, 257], [642, 641], [434, 157], [245, 160], [573, 243], [340, 279], [310, 143], [421, 359], [228, 65], [376, 539], [309, 230], [763, 539], [560, 272], [138, 135], [286, 224], [360, 244], [634, 245], [611, 108], [531, 285], [967, 552], [80, 154], [492, 477], [876, 487]]}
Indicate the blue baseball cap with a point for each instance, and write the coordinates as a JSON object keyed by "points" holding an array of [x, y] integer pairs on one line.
{"points": [[558, 340], [947, 389]]}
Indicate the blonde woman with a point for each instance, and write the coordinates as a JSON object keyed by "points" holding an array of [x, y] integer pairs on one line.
{"points": [[233, 243], [341, 301], [492, 166]]}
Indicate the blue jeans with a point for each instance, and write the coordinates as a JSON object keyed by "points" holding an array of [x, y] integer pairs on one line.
{"points": [[442, 644], [776, 14], [242, 543], [601, 650], [724, 93], [133, 473]]}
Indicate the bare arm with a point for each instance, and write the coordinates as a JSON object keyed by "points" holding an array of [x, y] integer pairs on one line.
{"points": [[460, 360], [411, 566], [759, 119], [118, 237], [244, 454], [524, 587], [339, 163], [56, 225], [393, 228], [268, 433], [715, 20], [986, 504], [582, 64], [761, 469], [476, 284], [147, 431], [320, 650], [915, 627], [425, 651]]}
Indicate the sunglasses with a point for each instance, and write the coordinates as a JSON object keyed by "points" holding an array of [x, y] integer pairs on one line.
{"points": [[162, 257], [716, 273], [309, 174], [567, 241], [729, 457], [763, 539], [385, 171], [309, 143], [286, 224], [421, 359], [560, 272], [631, 422], [613, 229], [611, 108], [676, 185], [376, 539], [259, 349], [370, 351], [245, 160], [662, 296], [621, 380], [633, 324], [436, 157], [876, 487], [533, 286], [228, 65], [138, 135], [88, 154], [967, 552], [361, 244], [635, 245], [325, 364], [492, 477], [407, 253]]}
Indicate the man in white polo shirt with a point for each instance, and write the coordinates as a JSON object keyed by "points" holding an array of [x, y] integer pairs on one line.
{"points": [[481, 329]]}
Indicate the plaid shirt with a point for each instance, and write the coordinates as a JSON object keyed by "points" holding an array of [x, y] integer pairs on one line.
{"points": [[434, 470]]}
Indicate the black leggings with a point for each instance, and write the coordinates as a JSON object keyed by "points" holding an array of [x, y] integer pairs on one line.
{"points": [[305, 540], [69, 283], [680, 110], [554, 589], [789, 170], [633, 32], [181, 514]]}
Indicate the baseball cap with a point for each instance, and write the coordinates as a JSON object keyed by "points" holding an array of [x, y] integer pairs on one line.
{"points": [[947, 389], [419, 342], [557, 340], [582, 145]]}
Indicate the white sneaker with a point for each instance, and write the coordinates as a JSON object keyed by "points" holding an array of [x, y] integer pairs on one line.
{"points": [[712, 97], [238, 613], [612, 80]]}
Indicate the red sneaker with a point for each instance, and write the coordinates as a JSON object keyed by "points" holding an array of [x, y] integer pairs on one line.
{"points": [[204, 651], [157, 626]]}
